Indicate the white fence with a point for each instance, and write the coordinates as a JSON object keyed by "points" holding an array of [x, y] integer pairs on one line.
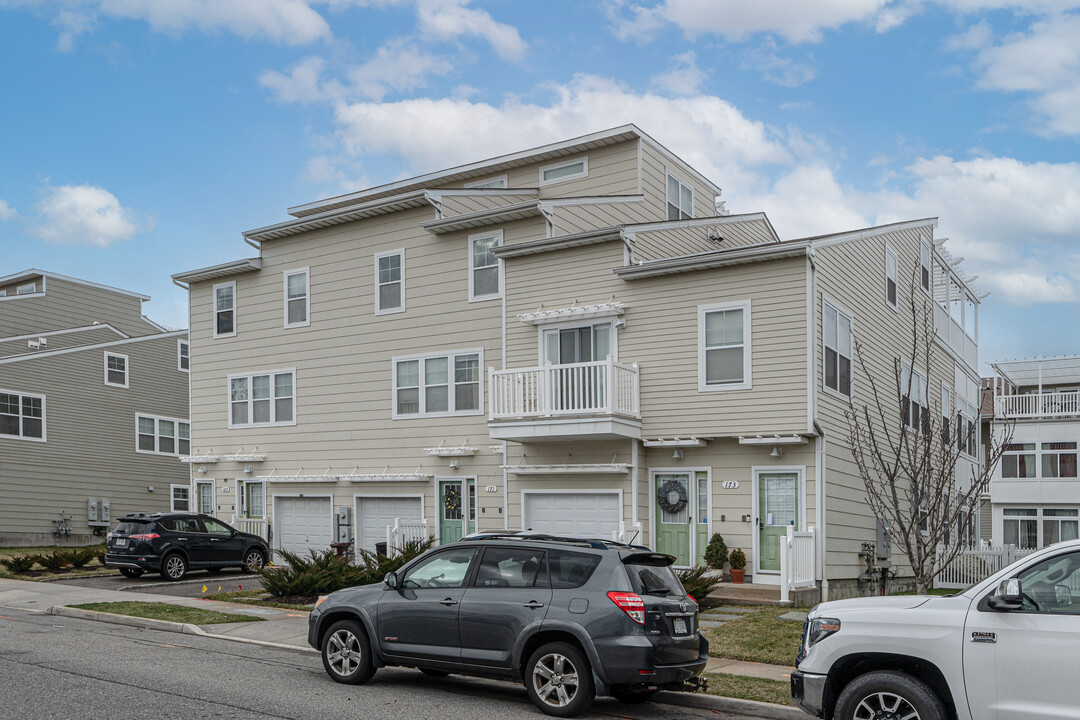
{"points": [[604, 387], [629, 534], [1048, 405], [974, 564], [255, 526], [403, 532], [798, 561]]}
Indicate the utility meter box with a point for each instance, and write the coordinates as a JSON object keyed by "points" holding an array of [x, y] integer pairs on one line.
{"points": [[343, 524], [98, 512], [884, 540]]}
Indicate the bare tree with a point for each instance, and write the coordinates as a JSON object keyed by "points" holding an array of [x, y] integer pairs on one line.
{"points": [[908, 456]]}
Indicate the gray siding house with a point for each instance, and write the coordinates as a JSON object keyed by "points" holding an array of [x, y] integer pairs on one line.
{"points": [[93, 410], [568, 339]]}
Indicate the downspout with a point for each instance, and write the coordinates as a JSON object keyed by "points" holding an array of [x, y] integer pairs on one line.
{"points": [[819, 499], [254, 243], [634, 485], [506, 473], [820, 479]]}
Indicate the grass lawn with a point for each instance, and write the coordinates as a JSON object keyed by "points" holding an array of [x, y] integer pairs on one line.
{"points": [[165, 611], [757, 637], [749, 688], [256, 597]]}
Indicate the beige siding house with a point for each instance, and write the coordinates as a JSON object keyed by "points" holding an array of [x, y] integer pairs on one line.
{"points": [[93, 410], [568, 339]]}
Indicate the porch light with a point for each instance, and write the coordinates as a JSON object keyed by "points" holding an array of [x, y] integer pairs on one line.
{"points": [[777, 452], [677, 455]]}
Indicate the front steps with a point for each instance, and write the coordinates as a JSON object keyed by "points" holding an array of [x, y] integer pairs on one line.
{"points": [[760, 594]]}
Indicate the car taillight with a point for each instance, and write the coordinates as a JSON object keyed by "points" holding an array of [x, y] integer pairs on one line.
{"points": [[109, 536], [631, 604], [696, 606], [146, 536]]}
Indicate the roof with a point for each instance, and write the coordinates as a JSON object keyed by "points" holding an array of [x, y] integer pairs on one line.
{"points": [[214, 272], [1062, 370], [95, 346], [33, 272], [491, 166]]}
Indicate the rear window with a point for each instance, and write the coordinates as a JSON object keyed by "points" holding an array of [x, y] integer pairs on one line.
{"points": [[654, 580], [570, 569], [132, 527]]}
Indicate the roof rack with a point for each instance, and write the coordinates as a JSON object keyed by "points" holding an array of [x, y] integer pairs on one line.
{"points": [[538, 537]]}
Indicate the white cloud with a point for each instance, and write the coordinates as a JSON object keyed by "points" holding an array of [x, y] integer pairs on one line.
{"points": [[775, 69], [301, 85], [451, 19], [683, 76], [85, 215], [72, 24], [976, 37], [7, 212], [399, 65]]}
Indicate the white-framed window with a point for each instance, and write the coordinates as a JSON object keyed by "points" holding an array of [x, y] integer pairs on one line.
{"points": [[1018, 461], [390, 282], [680, 199], [724, 356], [3, 293], [1058, 459], [891, 278], [946, 413], [926, 272], [28, 289], [22, 415], [485, 270], [564, 170], [183, 356], [262, 398], [180, 498], [837, 342], [225, 309], [1020, 527], [296, 298], [578, 343], [438, 384], [162, 435], [492, 183], [116, 370], [967, 426], [914, 400], [1059, 524]]}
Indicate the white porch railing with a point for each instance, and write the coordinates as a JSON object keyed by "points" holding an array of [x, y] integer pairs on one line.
{"points": [[255, 526], [629, 534], [954, 336], [1040, 405], [975, 564], [403, 532], [798, 561], [602, 388]]}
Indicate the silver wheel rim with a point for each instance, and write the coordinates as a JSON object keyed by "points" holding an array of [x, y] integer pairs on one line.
{"points": [[254, 560], [343, 653], [885, 706], [555, 680], [174, 566]]}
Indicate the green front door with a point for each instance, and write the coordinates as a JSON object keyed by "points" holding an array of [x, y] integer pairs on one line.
{"points": [[778, 508], [457, 509], [673, 499]]}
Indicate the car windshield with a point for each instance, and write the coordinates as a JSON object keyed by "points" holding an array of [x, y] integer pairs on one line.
{"points": [[654, 580], [132, 527]]}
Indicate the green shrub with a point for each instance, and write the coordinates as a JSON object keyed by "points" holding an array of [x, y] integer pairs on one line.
{"points": [[716, 552], [54, 561], [737, 559], [99, 553], [20, 564], [697, 584], [78, 557], [324, 572]]}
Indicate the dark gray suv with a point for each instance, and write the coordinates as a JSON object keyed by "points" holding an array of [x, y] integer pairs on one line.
{"points": [[569, 618]]}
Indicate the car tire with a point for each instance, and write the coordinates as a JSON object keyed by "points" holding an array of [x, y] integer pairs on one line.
{"points": [[547, 675], [174, 567], [346, 653], [891, 693], [131, 572], [632, 697], [433, 673], [254, 560]]}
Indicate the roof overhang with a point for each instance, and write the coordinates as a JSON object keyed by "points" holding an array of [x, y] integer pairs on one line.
{"points": [[33, 272], [714, 259], [577, 469], [236, 267], [772, 440], [483, 218], [574, 312], [561, 242], [706, 222], [1050, 371], [339, 216]]}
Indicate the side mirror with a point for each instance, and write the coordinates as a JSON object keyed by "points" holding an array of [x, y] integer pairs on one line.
{"points": [[391, 580], [1010, 595]]}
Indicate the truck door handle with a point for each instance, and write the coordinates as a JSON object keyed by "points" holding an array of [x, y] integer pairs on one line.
{"points": [[448, 602], [532, 605]]}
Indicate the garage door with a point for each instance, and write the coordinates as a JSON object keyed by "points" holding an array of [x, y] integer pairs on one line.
{"points": [[589, 515], [303, 524], [375, 514]]}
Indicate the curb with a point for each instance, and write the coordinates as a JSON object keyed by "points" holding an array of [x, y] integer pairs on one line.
{"points": [[750, 708]]}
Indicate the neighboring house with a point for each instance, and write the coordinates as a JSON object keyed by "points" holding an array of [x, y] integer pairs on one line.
{"points": [[93, 409], [568, 339], [1035, 491]]}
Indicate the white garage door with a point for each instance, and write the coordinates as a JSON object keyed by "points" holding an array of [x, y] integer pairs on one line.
{"points": [[375, 514], [585, 515], [303, 524]]}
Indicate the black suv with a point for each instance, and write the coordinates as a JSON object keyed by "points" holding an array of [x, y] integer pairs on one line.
{"points": [[570, 618], [173, 543]]}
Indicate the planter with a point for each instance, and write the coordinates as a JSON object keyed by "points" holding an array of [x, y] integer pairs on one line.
{"points": [[737, 575]]}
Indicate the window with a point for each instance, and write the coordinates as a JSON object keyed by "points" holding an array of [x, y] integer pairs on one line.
{"points": [[28, 289], [442, 570], [204, 496], [255, 500], [162, 436], [262, 399], [1059, 460], [567, 345], [390, 282], [1018, 460], [946, 413], [181, 498], [1020, 527], [116, 370], [563, 171], [914, 405], [1059, 524], [890, 277], [510, 567], [680, 199], [485, 270], [225, 310], [570, 569], [494, 183], [1052, 586], [925, 267], [22, 415], [967, 429], [3, 293], [183, 355], [437, 384], [296, 298], [724, 346], [837, 341]]}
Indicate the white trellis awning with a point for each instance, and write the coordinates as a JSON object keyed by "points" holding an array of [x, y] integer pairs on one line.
{"points": [[574, 312]]}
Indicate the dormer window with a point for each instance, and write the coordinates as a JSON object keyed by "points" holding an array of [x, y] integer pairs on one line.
{"points": [[680, 199]]}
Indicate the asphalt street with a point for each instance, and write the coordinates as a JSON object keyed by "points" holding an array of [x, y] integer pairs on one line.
{"points": [[191, 586], [55, 667]]}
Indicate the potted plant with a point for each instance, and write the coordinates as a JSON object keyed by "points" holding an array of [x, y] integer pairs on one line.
{"points": [[738, 565], [716, 553]]}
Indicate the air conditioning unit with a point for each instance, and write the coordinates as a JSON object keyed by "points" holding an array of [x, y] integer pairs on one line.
{"points": [[33, 344], [43, 341]]}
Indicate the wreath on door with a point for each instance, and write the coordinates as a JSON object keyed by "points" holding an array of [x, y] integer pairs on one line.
{"points": [[452, 498], [672, 497]]}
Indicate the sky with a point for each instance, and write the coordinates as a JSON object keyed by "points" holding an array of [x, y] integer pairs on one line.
{"points": [[140, 138]]}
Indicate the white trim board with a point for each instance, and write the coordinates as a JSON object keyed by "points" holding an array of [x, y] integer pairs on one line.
{"points": [[96, 346], [50, 333]]}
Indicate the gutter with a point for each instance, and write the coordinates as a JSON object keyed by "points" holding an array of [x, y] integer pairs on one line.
{"points": [[714, 259]]}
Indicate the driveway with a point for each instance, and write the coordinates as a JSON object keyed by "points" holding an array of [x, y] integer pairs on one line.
{"points": [[191, 586]]}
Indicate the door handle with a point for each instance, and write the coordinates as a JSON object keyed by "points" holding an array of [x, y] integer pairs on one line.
{"points": [[532, 605], [448, 602]]}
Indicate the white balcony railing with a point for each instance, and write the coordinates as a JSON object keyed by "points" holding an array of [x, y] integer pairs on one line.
{"points": [[954, 336], [255, 526], [590, 388], [1038, 405]]}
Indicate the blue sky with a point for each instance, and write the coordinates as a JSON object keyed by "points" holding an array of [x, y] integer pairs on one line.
{"points": [[139, 138]]}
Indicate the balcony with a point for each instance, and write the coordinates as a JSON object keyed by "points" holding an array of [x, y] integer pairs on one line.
{"points": [[1038, 405], [589, 400], [952, 334]]}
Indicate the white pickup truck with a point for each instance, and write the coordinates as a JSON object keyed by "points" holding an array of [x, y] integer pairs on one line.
{"points": [[1005, 649]]}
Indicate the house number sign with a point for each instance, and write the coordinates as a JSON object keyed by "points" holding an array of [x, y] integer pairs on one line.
{"points": [[730, 484]]}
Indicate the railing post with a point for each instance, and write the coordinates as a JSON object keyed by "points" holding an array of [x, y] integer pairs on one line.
{"points": [[610, 385], [492, 392], [785, 565]]}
